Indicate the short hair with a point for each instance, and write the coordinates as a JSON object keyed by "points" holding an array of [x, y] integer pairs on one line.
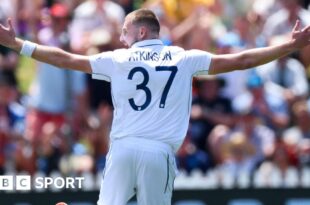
{"points": [[145, 17]]}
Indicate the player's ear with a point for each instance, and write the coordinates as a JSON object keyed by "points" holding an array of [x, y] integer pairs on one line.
{"points": [[142, 32]]}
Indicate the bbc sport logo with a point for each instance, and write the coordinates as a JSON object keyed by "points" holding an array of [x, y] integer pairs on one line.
{"points": [[26, 182]]}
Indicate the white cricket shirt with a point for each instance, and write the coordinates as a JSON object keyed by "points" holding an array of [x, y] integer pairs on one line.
{"points": [[151, 89]]}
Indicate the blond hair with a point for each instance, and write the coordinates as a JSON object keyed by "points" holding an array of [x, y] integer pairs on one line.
{"points": [[145, 17]]}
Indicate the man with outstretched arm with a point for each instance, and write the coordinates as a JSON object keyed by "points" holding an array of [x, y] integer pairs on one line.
{"points": [[151, 89]]}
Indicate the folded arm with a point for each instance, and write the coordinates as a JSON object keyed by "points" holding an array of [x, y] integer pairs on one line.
{"points": [[258, 56], [51, 55]]}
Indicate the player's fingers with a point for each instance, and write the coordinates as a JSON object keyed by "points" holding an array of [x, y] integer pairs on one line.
{"points": [[10, 24], [306, 29], [296, 26]]}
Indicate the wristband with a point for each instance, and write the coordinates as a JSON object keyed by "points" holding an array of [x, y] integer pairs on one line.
{"points": [[28, 48]]}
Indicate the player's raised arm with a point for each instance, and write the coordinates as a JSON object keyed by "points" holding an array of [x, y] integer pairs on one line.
{"points": [[258, 56], [51, 55]]}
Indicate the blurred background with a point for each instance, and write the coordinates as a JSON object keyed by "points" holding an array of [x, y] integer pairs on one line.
{"points": [[248, 142]]}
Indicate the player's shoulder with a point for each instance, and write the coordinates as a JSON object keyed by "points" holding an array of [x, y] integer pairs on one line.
{"points": [[175, 48], [112, 53], [121, 51], [197, 52], [121, 54]]}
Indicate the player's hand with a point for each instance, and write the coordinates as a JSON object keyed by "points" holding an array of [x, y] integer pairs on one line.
{"points": [[300, 37], [7, 35]]}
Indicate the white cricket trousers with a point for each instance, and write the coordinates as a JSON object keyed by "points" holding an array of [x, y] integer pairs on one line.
{"points": [[138, 166]]}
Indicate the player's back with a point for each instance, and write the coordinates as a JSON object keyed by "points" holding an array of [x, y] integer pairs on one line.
{"points": [[151, 90]]}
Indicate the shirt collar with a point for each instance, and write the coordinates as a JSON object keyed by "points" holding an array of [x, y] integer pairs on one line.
{"points": [[145, 43]]}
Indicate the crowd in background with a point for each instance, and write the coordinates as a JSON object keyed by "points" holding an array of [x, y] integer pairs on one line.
{"points": [[240, 121]]}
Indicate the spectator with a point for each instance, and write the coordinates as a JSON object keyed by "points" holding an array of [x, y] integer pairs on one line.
{"points": [[91, 15], [299, 134], [53, 91], [99, 91], [209, 108], [177, 10], [190, 158], [28, 17], [230, 43], [244, 34], [238, 155], [231, 9], [289, 76], [95, 29], [96, 23], [282, 22], [217, 138], [258, 135], [280, 170], [188, 27], [97, 134], [268, 105], [266, 8], [12, 115], [284, 157], [8, 59], [52, 146], [128, 5]]}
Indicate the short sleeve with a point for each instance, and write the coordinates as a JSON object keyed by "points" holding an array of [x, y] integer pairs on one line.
{"points": [[199, 61], [102, 66]]}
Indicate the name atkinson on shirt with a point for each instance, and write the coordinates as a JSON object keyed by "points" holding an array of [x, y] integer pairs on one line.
{"points": [[150, 56]]}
